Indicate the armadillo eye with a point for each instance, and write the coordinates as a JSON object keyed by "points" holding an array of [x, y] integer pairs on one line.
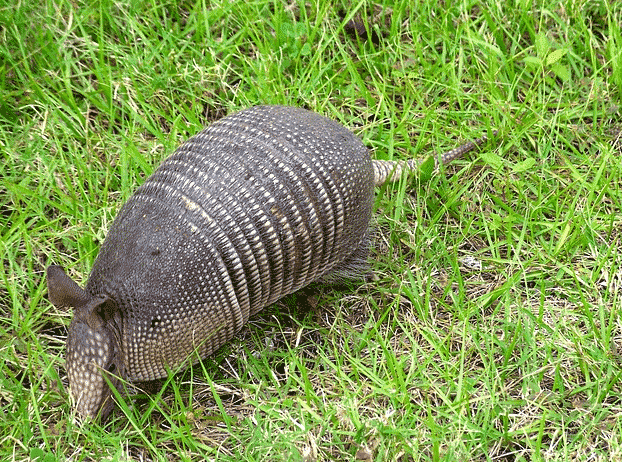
{"points": [[112, 368]]}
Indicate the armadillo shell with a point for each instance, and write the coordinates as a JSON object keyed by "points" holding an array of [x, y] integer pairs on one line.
{"points": [[254, 207]]}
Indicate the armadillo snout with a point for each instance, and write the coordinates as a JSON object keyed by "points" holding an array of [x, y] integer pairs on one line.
{"points": [[89, 355]]}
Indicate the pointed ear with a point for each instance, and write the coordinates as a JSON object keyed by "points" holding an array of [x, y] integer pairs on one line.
{"points": [[94, 312], [63, 291]]}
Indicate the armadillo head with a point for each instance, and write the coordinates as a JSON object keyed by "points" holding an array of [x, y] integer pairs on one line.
{"points": [[91, 346]]}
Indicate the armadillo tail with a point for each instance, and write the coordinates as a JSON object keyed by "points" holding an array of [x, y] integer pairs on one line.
{"points": [[389, 171]]}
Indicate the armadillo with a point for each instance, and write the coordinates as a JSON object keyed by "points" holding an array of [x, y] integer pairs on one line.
{"points": [[254, 207]]}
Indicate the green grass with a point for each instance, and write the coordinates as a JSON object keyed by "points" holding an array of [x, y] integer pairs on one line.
{"points": [[493, 331]]}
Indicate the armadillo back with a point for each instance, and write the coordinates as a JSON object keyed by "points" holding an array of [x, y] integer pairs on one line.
{"points": [[254, 207]]}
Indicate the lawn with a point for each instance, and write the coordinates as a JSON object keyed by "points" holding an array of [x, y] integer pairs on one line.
{"points": [[492, 329]]}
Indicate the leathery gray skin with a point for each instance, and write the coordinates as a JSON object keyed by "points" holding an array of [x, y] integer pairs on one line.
{"points": [[254, 207]]}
